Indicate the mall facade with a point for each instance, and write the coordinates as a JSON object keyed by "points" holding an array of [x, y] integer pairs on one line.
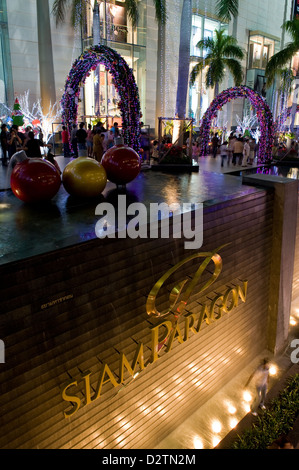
{"points": [[153, 54]]}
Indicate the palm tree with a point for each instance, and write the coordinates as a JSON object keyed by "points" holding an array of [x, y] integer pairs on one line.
{"points": [[222, 52], [283, 58], [60, 8]]}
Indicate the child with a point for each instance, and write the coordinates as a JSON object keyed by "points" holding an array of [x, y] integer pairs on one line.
{"points": [[155, 153]]}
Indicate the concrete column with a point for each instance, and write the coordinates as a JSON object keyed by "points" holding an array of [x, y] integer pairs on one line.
{"points": [[282, 257], [45, 52]]}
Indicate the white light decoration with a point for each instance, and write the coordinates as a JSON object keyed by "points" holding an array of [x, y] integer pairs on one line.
{"points": [[233, 423], [36, 113], [216, 426], [273, 370], [246, 407], [197, 443], [215, 441], [231, 409], [247, 396], [247, 122]]}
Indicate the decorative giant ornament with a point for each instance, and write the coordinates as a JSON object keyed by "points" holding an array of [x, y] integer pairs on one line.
{"points": [[84, 177], [35, 180], [122, 163]]}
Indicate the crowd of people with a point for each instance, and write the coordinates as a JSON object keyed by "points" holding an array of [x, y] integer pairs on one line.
{"points": [[13, 141], [92, 141], [236, 150]]}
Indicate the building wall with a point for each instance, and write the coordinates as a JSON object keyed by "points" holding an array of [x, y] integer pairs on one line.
{"points": [[22, 23], [98, 292]]}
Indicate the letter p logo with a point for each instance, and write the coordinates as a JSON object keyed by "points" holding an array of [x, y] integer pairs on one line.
{"points": [[2, 352]]}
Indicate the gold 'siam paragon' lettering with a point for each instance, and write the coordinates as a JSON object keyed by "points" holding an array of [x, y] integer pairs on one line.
{"points": [[166, 332]]}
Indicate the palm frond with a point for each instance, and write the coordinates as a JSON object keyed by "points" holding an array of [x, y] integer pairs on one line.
{"points": [[235, 69], [233, 51], [59, 10], [226, 9], [292, 27], [78, 12], [132, 9], [196, 71], [206, 43], [215, 72], [160, 10], [279, 61]]}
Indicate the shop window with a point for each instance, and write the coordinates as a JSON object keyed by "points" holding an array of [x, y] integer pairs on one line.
{"points": [[113, 21], [260, 51], [101, 98]]}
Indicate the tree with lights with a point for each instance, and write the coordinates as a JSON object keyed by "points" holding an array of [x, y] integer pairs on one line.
{"points": [[37, 116], [17, 115]]}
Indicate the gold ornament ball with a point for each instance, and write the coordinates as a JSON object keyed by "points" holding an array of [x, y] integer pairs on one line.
{"points": [[84, 177]]}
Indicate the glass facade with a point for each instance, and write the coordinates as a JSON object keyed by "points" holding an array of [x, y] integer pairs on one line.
{"points": [[6, 86], [115, 30]]}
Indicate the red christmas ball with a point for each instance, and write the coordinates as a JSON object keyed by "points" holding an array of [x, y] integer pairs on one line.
{"points": [[35, 180], [122, 164]]}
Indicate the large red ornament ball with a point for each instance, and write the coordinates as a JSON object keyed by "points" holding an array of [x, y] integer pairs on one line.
{"points": [[122, 164], [35, 180], [84, 177]]}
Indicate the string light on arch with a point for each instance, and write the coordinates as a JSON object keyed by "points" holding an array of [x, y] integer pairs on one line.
{"points": [[124, 82], [263, 113]]}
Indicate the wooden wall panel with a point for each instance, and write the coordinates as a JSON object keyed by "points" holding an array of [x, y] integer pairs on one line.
{"points": [[107, 283]]}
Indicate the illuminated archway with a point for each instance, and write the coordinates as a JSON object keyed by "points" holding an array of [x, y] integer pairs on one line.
{"points": [[282, 118], [263, 112], [125, 84]]}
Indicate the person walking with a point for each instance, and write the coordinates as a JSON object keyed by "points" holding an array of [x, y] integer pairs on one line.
{"points": [[230, 148], [98, 147], [215, 144], [74, 141], [65, 142], [4, 144], [261, 380], [14, 141], [81, 135], [89, 140], [238, 151], [246, 153], [223, 152]]}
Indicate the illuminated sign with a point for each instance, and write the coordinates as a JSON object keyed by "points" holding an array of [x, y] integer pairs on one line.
{"points": [[168, 331]]}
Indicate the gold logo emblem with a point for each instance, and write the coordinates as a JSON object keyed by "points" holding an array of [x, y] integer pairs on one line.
{"points": [[178, 298]]}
